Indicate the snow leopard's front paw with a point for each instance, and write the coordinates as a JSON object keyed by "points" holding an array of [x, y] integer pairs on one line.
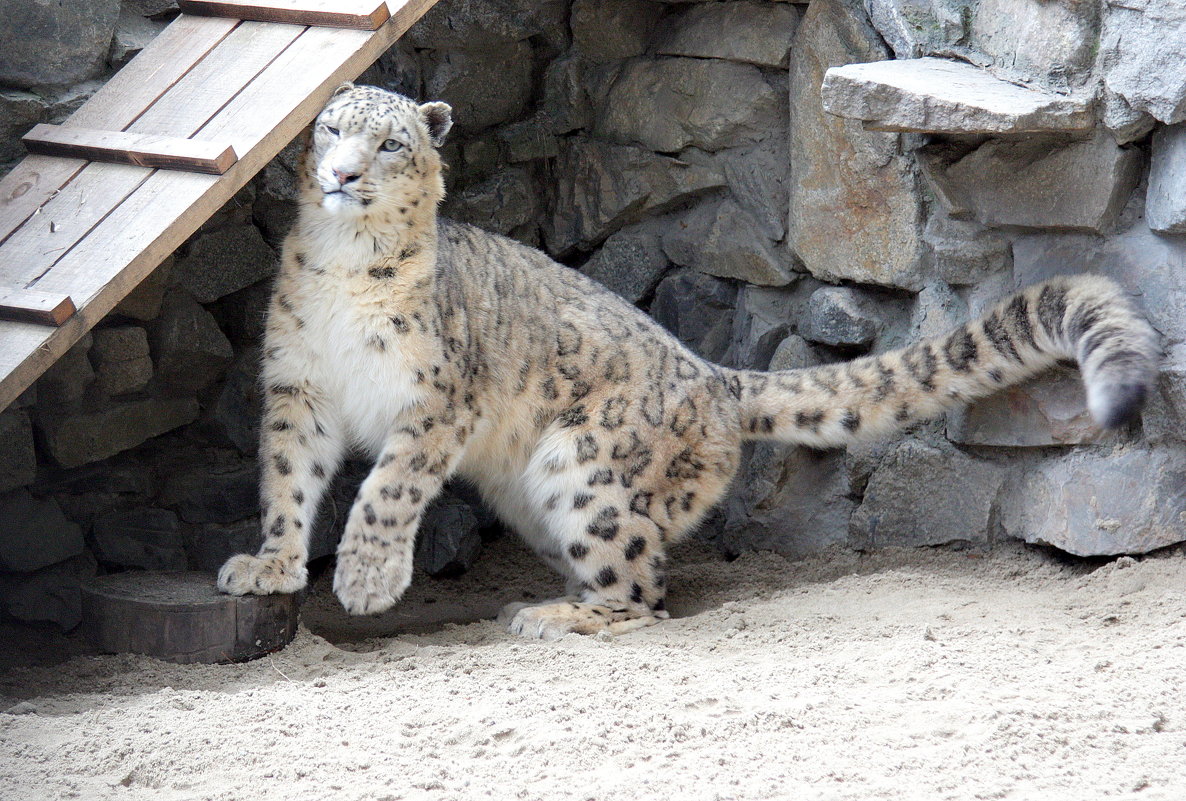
{"points": [[254, 575], [368, 584], [553, 619]]}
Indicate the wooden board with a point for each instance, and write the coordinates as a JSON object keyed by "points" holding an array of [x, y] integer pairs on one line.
{"points": [[27, 305], [182, 617], [121, 147], [94, 231], [359, 14]]}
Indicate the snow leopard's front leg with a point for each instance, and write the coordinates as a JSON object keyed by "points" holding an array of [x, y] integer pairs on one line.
{"points": [[301, 446], [375, 554]]}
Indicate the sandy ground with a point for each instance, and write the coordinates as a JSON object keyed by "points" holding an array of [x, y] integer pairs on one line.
{"points": [[906, 675]]}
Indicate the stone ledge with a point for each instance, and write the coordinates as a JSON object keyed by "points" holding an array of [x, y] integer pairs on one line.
{"points": [[935, 95]]}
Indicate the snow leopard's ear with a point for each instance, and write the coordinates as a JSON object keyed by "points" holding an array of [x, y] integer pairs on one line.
{"points": [[438, 117], [346, 87]]}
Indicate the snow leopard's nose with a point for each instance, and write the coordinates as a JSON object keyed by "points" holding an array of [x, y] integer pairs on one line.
{"points": [[344, 177]]}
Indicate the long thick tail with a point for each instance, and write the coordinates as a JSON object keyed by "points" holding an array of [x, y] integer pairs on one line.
{"points": [[1085, 318]]}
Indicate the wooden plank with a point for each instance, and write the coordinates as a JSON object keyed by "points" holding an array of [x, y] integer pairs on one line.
{"points": [[31, 306], [115, 106], [170, 206], [98, 189], [141, 150], [364, 15]]}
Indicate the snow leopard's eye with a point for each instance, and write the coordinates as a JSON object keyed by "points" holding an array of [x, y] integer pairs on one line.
{"points": [[333, 130], [390, 146]]}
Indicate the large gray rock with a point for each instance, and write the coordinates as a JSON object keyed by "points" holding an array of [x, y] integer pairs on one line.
{"points": [[1099, 504], [34, 533], [1045, 183], [631, 262], [74, 439], [759, 179], [120, 358], [145, 538], [529, 140], [964, 252], [49, 43], [793, 353], [612, 30], [133, 33], [1052, 42], [566, 104], [1050, 410], [720, 238], [601, 188], [1142, 52], [698, 310], [50, 595], [462, 78], [855, 210], [144, 302], [449, 539], [234, 419], [841, 315], [921, 494], [938, 309], [487, 23], [791, 501], [209, 546], [916, 28], [1165, 204], [188, 347], [672, 103], [764, 318], [18, 458], [223, 261], [935, 95], [19, 111], [501, 203], [217, 493], [748, 31]]}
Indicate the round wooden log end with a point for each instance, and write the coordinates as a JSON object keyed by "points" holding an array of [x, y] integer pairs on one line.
{"points": [[182, 617]]}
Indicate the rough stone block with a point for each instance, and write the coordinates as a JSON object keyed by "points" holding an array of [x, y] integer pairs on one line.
{"points": [[74, 439], [601, 188], [234, 419], [841, 315], [133, 32], [612, 30], [921, 494], [501, 203], [34, 533], [67, 379], [218, 493], [1098, 504], [763, 319], [488, 23], [530, 140], [566, 104], [449, 541], [18, 457], [146, 538], [722, 239], [223, 261], [1050, 410], [190, 350], [698, 310], [631, 262], [793, 353], [855, 209], [791, 501], [211, 545], [916, 28], [19, 111], [1165, 203], [1142, 51], [1050, 42], [937, 310], [144, 302], [935, 95], [1046, 183], [747, 31], [120, 358], [461, 78], [672, 103], [50, 595], [55, 44], [964, 252]]}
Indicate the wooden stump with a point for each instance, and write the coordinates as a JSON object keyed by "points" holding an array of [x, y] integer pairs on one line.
{"points": [[182, 617]]}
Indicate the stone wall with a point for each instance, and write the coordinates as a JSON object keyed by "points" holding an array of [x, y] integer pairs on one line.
{"points": [[681, 154]]}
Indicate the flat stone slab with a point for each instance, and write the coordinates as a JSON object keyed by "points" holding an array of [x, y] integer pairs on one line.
{"points": [[180, 616], [936, 95]]}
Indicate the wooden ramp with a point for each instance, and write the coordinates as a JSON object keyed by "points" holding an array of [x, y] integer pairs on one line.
{"points": [[222, 94]]}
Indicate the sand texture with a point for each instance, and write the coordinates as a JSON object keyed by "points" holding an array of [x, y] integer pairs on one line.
{"points": [[905, 675]]}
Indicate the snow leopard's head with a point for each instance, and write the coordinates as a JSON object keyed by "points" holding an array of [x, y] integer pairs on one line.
{"points": [[374, 151]]}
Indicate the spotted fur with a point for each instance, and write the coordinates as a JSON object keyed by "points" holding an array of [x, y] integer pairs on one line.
{"points": [[441, 350]]}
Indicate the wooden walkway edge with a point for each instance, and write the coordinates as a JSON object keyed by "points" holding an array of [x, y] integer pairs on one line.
{"points": [[93, 231]]}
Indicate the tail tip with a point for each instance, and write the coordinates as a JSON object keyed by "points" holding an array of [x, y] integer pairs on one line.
{"points": [[1116, 405]]}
